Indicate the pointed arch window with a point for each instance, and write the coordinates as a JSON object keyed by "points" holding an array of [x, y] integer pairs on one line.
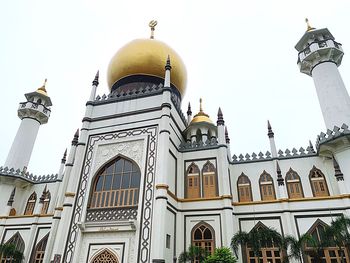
{"points": [[203, 236], [269, 251], [29, 210], [116, 185], [39, 251], [209, 180], [45, 201], [318, 182], [267, 189], [294, 187], [17, 241], [244, 188], [105, 256], [193, 182], [330, 254]]}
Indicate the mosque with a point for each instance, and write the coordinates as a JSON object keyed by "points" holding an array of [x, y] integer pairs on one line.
{"points": [[142, 180]]}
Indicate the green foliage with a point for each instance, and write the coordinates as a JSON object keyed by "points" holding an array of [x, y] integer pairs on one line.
{"points": [[9, 250], [193, 253], [221, 255], [257, 238]]}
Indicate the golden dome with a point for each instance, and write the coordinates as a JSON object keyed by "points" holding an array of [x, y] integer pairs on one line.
{"points": [[201, 116], [147, 57]]}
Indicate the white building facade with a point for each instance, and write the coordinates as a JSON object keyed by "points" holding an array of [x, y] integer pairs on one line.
{"points": [[142, 181]]}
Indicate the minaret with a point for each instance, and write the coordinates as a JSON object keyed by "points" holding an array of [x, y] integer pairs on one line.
{"points": [[319, 57], [34, 112]]}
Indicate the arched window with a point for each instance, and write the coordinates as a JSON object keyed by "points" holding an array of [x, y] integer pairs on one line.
{"points": [[39, 251], [38, 101], [209, 180], [105, 256], [244, 188], [17, 241], [116, 185], [318, 182], [193, 182], [330, 254], [203, 236], [267, 189], [269, 251], [294, 187], [46, 202], [29, 210]]}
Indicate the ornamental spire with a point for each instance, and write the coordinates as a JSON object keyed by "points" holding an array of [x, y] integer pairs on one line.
{"points": [[75, 138], [42, 89], [309, 27], [227, 138], [152, 24], [337, 172], [220, 120], [12, 197], [168, 65], [280, 179], [269, 130], [189, 111], [64, 158], [95, 82], [43, 195]]}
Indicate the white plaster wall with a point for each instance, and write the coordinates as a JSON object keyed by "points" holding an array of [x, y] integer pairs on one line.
{"points": [[332, 95], [23, 144]]}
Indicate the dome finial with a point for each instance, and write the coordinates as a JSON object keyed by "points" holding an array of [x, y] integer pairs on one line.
{"points": [[42, 89], [200, 104], [152, 24], [309, 27]]}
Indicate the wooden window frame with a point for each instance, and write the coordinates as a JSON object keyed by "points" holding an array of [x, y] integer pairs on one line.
{"points": [[316, 170], [115, 198], [290, 181], [203, 241], [30, 206], [38, 253], [193, 175], [266, 183], [210, 173], [239, 186]]}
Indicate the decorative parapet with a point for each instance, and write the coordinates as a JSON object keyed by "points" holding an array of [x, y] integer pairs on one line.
{"points": [[29, 177], [251, 158], [140, 91], [332, 134], [190, 146], [287, 154], [111, 214]]}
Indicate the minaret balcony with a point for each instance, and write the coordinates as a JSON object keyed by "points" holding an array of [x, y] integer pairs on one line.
{"points": [[318, 52], [34, 110]]}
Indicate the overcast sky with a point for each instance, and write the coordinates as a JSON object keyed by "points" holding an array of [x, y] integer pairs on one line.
{"points": [[239, 55]]}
